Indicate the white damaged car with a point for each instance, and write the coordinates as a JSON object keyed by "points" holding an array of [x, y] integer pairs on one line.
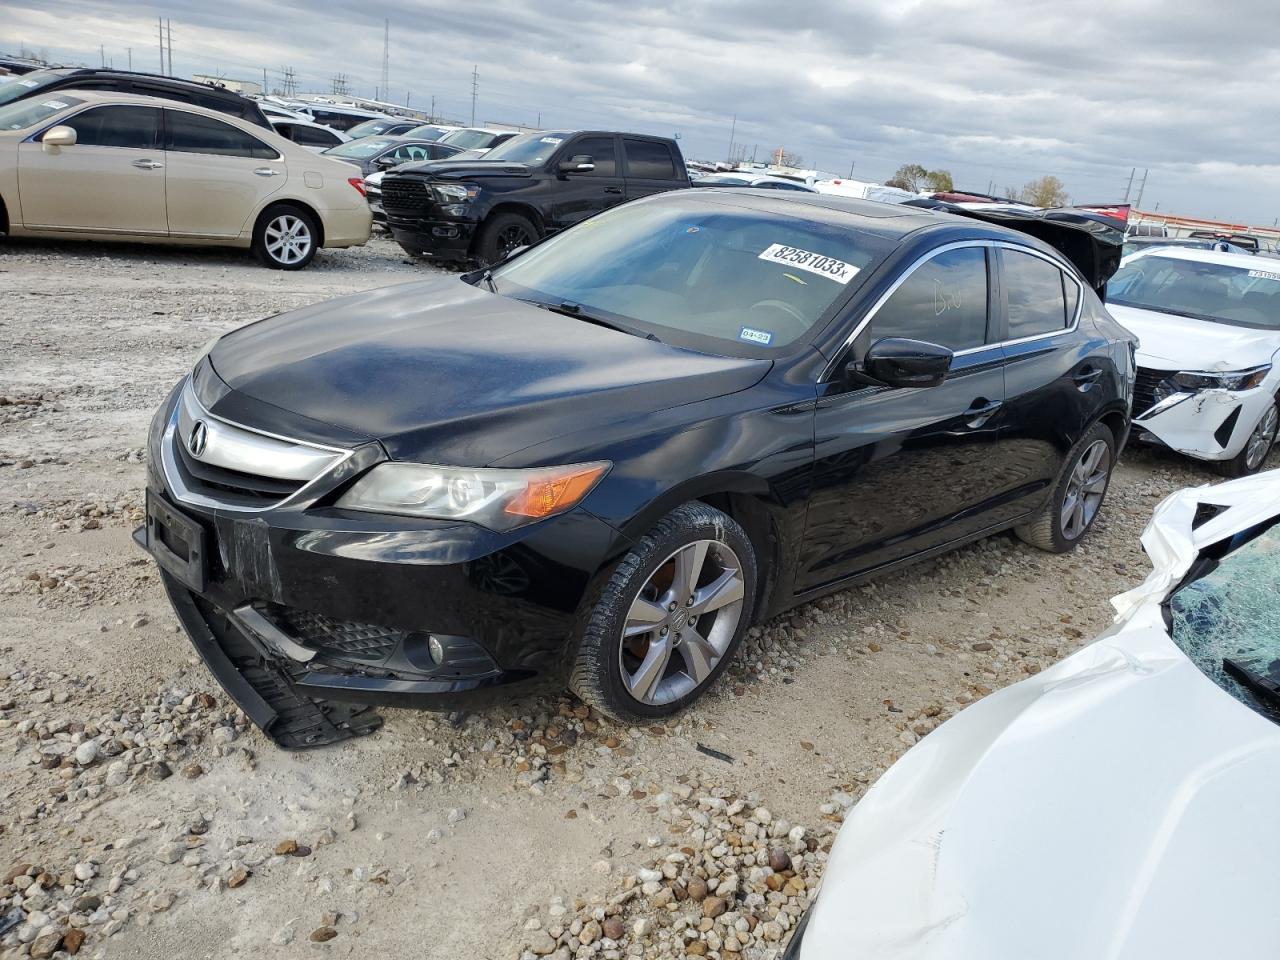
{"points": [[1209, 323], [1118, 805]]}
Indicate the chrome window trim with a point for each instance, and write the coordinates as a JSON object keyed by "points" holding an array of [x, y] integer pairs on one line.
{"points": [[185, 494], [957, 245]]}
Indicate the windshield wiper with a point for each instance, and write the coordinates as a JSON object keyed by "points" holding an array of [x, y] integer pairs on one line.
{"points": [[569, 308], [487, 276], [1261, 685]]}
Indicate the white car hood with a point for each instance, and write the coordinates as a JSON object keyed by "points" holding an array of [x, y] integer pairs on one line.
{"points": [[1171, 342], [1117, 805]]}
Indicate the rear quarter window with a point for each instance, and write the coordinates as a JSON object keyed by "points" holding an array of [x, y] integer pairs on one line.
{"points": [[649, 160]]}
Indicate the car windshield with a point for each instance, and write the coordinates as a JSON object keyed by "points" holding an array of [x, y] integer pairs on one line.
{"points": [[14, 88], [469, 139], [1223, 293], [428, 132], [360, 149], [531, 148], [27, 113], [1227, 615], [370, 128], [700, 272]]}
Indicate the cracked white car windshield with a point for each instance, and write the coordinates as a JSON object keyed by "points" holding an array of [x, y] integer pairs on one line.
{"points": [[1239, 296], [711, 275], [1230, 614]]}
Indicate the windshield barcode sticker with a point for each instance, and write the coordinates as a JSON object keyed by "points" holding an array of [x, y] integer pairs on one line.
{"points": [[1264, 275], [828, 267]]}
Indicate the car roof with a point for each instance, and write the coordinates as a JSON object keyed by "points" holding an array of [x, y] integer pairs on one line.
{"points": [[884, 219], [1247, 261], [158, 78], [110, 96]]}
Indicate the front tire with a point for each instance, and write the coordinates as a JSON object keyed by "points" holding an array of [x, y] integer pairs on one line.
{"points": [[286, 238], [501, 234], [669, 619], [1077, 496], [1256, 448]]}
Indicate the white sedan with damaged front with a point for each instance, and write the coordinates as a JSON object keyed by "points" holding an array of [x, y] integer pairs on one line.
{"points": [[1209, 326], [1119, 805]]}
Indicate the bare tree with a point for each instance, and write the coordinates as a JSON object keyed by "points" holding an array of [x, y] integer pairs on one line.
{"points": [[791, 159]]}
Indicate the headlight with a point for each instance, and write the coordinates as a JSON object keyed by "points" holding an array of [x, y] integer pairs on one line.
{"points": [[453, 192], [496, 499], [1194, 381]]}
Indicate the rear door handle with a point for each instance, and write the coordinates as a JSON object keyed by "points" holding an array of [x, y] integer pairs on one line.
{"points": [[612, 189], [1087, 375], [981, 411], [266, 172], [147, 164]]}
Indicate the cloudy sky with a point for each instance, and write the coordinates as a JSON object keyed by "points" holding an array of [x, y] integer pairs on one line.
{"points": [[995, 91]]}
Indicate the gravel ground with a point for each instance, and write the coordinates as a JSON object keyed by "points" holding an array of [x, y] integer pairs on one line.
{"points": [[140, 817]]}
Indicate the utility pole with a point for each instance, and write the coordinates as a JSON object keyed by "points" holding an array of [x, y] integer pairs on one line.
{"points": [[852, 164], [266, 87], [433, 105], [160, 25], [1132, 173], [130, 49], [168, 42], [1138, 202], [102, 53], [733, 130], [386, 59], [475, 89]]}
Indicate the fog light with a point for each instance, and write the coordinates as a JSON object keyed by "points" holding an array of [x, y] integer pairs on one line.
{"points": [[436, 649]]}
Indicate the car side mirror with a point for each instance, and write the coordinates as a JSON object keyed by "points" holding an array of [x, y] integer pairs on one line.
{"points": [[581, 164], [386, 163], [56, 137], [898, 362]]}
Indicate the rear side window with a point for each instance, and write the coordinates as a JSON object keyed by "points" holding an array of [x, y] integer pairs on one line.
{"points": [[117, 126], [1036, 302], [311, 137], [192, 133], [943, 301], [647, 160], [602, 152]]}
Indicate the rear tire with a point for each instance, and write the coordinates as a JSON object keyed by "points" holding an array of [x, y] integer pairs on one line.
{"points": [[670, 618], [1078, 495], [1256, 449], [286, 237], [501, 234]]}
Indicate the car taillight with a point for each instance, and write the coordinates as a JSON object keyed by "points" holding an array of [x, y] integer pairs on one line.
{"points": [[358, 183]]}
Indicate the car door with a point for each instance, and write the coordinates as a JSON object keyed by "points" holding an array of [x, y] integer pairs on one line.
{"points": [[112, 180], [650, 167], [579, 195], [900, 471], [218, 175], [1054, 375]]}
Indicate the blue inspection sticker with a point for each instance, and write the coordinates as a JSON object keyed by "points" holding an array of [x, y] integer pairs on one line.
{"points": [[755, 336]]}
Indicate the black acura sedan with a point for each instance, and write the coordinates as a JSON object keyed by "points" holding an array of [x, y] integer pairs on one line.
{"points": [[599, 462]]}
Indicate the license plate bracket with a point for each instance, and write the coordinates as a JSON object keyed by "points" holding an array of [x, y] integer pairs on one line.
{"points": [[178, 544]]}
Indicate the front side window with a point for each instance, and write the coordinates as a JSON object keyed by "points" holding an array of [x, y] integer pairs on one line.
{"points": [[1037, 304], [602, 152], [192, 133], [117, 126], [647, 160], [1224, 617], [943, 301], [1241, 296], [704, 273], [313, 137]]}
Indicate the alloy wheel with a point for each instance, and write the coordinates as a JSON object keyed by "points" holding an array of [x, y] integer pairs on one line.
{"points": [[1085, 489], [1263, 436], [681, 623], [513, 238], [288, 239]]}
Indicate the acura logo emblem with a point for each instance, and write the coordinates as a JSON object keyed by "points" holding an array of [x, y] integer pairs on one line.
{"points": [[199, 437]]}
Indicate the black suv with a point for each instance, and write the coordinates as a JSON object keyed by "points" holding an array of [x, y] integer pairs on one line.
{"points": [[123, 81], [522, 190]]}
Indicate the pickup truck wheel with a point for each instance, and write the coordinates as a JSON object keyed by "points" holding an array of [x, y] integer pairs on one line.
{"points": [[503, 233], [670, 618]]}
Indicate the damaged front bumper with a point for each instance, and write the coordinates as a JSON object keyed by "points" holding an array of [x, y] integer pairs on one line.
{"points": [[1210, 424]]}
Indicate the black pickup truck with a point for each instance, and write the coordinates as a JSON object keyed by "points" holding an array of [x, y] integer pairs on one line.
{"points": [[534, 184]]}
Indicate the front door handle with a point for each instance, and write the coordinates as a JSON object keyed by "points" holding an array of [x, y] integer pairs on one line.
{"points": [[980, 411], [266, 172], [147, 164], [612, 189]]}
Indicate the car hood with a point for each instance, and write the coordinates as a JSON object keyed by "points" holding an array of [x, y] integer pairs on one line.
{"points": [[440, 371], [1171, 342], [465, 169], [1117, 805]]}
